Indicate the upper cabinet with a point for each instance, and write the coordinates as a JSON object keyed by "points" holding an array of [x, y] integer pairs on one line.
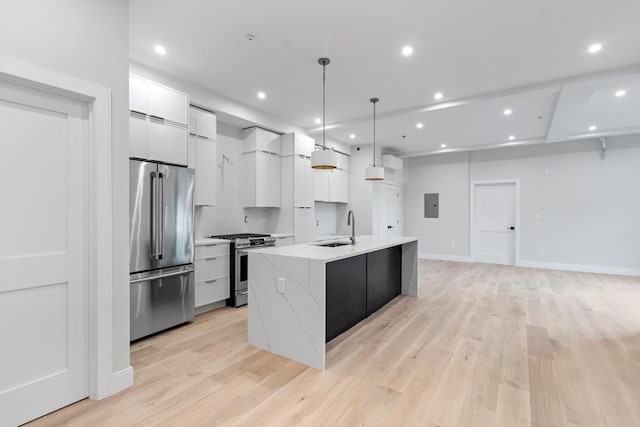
{"points": [[202, 123], [298, 144], [262, 168], [203, 154], [157, 122], [333, 185]]}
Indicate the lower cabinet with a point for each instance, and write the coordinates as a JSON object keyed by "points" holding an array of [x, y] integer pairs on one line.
{"points": [[359, 286], [384, 277], [346, 294], [212, 281]]}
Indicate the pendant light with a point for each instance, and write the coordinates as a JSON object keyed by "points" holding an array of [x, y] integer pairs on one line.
{"points": [[324, 158], [374, 173]]}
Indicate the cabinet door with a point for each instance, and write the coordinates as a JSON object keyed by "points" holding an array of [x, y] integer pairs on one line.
{"points": [[268, 141], [192, 152], [168, 104], [167, 142], [212, 291], [304, 145], [206, 124], [138, 136], [303, 184], [138, 95], [346, 297], [343, 162], [303, 225], [338, 186], [321, 185], [384, 277], [268, 180], [206, 172]]}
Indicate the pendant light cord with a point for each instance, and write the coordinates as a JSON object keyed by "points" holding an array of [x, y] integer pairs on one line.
{"points": [[374, 134], [324, 103]]}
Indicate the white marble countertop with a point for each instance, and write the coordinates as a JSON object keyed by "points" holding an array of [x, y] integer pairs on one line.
{"points": [[201, 241], [312, 251], [325, 237], [281, 235]]}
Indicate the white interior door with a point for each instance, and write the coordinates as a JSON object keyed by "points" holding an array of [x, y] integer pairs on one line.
{"points": [[389, 210], [495, 222], [43, 252]]}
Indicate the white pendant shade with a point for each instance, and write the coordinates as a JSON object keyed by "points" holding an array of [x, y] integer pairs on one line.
{"points": [[324, 159], [374, 173]]}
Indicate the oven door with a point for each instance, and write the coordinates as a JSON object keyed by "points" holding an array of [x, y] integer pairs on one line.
{"points": [[242, 275]]}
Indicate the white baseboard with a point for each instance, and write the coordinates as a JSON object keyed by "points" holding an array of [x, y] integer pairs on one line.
{"points": [[119, 381], [581, 268], [441, 257]]}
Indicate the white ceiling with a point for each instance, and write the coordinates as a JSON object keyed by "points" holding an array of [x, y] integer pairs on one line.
{"points": [[483, 55]]}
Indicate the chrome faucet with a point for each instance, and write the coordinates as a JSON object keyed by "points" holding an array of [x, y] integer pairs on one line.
{"points": [[351, 220]]}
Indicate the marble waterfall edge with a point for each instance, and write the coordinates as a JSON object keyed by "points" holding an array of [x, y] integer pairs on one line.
{"points": [[286, 307]]}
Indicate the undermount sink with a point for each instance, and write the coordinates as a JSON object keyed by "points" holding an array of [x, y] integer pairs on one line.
{"points": [[333, 244]]}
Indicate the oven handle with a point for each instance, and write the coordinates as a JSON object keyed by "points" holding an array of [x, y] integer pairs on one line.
{"points": [[244, 292]]}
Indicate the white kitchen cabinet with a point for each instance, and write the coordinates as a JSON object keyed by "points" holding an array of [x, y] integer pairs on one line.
{"points": [[138, 94], [321, 185], [202, 123], [258, 139], [212, 275], [138, 136], [262, 179], [168, 104], [343, 162], [157, 122], [339, 186], [303, 228], [202, 155], [303, 182], [331, 186], [296, 143], [167, 142]]}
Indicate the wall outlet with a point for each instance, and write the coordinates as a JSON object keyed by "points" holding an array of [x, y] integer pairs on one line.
{"points": [[317, 223], [541, 250], [281, 286]]}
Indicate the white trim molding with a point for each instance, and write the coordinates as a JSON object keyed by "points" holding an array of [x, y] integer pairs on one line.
{"points": [[444, 257], [103, 381], [472, 215], [599, 269]]}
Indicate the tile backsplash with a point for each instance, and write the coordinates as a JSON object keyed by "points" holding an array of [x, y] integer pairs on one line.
{"points": [[228, 216]]}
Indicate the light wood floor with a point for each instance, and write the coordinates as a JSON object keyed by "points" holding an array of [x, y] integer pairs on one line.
{"points": [[484, 346]]}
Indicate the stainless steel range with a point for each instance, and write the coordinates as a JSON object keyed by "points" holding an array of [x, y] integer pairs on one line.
{"points": [[241, 244]]}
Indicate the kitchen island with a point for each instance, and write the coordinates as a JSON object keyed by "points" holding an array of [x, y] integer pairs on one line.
{"points": [[302, 296]]}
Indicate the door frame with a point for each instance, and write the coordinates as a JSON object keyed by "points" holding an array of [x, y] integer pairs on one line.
{"points": [[472, 215], [103, 381]]}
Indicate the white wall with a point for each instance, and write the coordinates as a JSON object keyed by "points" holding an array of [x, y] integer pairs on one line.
{"points": [[228, 215], [577, 211], [326, 218], [90, 41]]}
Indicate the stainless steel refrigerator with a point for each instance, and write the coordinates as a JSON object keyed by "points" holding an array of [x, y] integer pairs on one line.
{"points": [[161, 281]]}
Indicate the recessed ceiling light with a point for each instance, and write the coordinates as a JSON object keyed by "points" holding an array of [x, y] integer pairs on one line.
{"points": [[592, 128], [419, 125], [352, 136], [438, 95], [621, 93], [318, 121], [160, 50], [443, 145], [594, 48], [407, 50], [507, 112], [511, 137], [262, 95]]}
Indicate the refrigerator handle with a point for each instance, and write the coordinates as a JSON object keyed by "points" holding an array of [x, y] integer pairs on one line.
{"points": [[161, 224], [154, 215]]}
